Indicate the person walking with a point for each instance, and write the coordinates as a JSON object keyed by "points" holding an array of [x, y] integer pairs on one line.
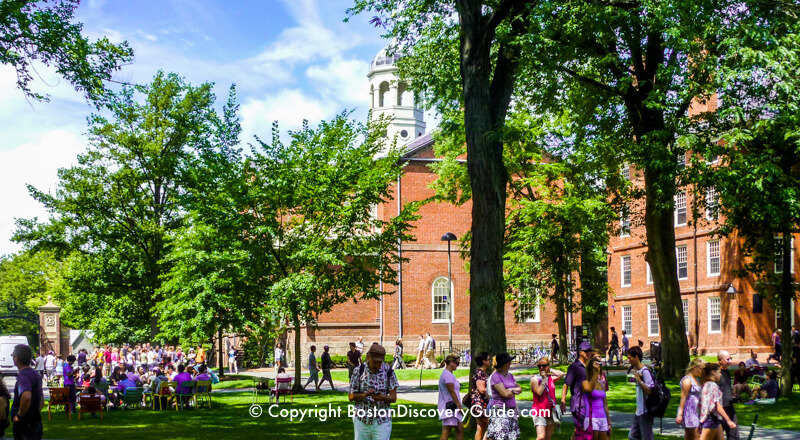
{"points": [[26, 410], [430, 351], [232, 366], [576, 374], [313, 373], [50, 365], [613, 350], [398, 363], [544, 398], [39, 366], [554, 348], [688, 416], [353, 359], [279, 354], [360, 347], [420, 351], [724, 383], [626, 343], [711, 410], [503, 417], [776, 344], [642, 427], [327, 364], [479, 396], [449, 402], [373, 388], [595, 403]]}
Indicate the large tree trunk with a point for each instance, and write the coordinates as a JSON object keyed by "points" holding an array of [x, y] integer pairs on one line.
{"points": [[561, 320], [486, 100], [786, 296], [659, 224], [221, 354]]}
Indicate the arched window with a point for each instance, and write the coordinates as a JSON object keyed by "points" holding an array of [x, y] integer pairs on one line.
{"points": [[404, 96], [383, 94], [440, 294]]}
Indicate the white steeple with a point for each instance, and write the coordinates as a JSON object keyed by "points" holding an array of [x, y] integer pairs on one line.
{"points": [[392, 97]]}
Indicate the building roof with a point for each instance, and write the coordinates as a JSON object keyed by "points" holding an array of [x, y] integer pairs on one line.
{"points": [[418, 144], [381, 59]]}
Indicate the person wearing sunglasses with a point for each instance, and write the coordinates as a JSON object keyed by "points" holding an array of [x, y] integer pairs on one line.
{"points": [[597, 420], [449, 403], [544, 398]]}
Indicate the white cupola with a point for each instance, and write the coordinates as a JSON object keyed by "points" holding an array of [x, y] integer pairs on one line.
{"points": [[392, 97]]}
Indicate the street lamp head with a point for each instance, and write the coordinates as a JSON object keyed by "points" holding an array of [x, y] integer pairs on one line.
{"points": [[449, 237], [731, 292]]}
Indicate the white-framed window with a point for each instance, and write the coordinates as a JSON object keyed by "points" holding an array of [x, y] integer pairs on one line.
{"points": [[625, 171], [440, 294], [625, 265], [779, 255], [652, 319], [714, 259], [681, 160], [528, 309], [680, 208], [627, 320], [685, 314], [649, 273], [712, 204], [778, 314], [624, 225], [714, 315], [712, 158], [682, 256]]}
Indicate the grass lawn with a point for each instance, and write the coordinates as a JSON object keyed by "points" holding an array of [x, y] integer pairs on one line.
{"points": [[230, 419], [407, 374], [234, 381]]}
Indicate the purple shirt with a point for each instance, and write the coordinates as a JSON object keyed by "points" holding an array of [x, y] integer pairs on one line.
{"points": [[179, 379], [509, 382], [125, 384], [576, 374], [28, 380], [68, 379]]}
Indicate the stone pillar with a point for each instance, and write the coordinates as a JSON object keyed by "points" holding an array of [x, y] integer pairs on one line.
{"points": [[50, 327]]}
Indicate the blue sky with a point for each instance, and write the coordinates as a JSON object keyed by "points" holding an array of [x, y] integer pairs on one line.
{"points": [[290, 60]]}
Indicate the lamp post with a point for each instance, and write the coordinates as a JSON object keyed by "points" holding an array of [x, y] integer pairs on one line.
{"points": [[731, 292], [448, 237]]}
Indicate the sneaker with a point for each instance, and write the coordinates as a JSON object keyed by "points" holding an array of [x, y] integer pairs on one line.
{"points": [[751, 402]]}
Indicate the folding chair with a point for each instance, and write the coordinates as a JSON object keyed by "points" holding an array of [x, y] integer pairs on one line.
{"points": [[165, 388], [131, 396], [102, 387], [184, 393], [58, 397], [284, 390], [202, 390], [91, 404]]}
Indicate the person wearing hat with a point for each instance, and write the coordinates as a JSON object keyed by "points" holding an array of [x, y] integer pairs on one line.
{"points": [[503, 417], [326, 364], [373, 388], [576, 374]]}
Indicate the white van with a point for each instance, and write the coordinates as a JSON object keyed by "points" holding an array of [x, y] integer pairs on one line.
{"points": [[7, 344]]}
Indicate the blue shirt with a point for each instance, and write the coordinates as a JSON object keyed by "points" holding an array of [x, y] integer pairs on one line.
{"points": [[125, 384], [771, 388]]}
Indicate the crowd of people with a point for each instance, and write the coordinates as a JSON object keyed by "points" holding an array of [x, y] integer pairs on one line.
{"points": [[705, 410]]}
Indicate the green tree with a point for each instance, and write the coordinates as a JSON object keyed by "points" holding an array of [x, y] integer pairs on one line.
{"points": [[310, 219], [489, 35], [757, 179], [116, 207], [44, 31]]}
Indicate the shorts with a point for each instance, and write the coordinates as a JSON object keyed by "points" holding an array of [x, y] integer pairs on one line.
{"points": [[543, 421], [712, 422], [599, 424], [451, 421]]}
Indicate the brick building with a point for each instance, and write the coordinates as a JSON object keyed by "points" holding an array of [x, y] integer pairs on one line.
{"points": [[419, 302], [706, 265]]}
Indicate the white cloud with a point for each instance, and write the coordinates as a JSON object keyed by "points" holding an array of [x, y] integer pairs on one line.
{"points": [[289, 107], [344, 80], [35, 164]]}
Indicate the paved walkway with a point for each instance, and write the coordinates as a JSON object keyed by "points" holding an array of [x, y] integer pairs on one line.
{"points": [[410, 391]]}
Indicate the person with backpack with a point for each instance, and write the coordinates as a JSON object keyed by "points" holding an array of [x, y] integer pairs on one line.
{"points": [[576, 374], [642, 427], [711, 411], [373, 388], [613, 350], [543, 388], [503, 389]]}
